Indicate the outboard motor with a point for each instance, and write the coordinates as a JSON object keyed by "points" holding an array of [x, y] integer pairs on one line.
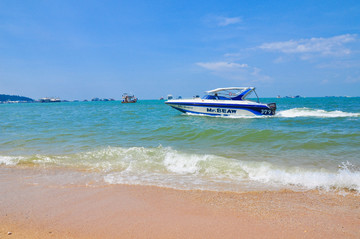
{"points": [[272, 106]]}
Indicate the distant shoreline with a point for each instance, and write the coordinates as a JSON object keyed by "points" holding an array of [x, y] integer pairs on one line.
{"points": [[15, 99]]}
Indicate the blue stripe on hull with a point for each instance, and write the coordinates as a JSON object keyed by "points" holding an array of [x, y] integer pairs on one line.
{"points": [[194, 112], [216, 114], [254, 109]]}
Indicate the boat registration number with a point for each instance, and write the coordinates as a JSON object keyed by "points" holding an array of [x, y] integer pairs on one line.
{"points": [[266, 112]]}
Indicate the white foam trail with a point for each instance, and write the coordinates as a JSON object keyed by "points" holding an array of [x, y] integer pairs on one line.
{"points": [[307, 112], [291, 113]]}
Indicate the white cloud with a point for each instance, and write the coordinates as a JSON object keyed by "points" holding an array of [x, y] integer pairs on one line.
{"points": [[352, 79], [221, 21], [225, 21], [235, 71], [340, 64], [306, 47], [235, 55], [221, 66]]}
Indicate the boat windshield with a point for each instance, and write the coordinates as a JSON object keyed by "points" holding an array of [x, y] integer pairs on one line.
{"points": [[232, 93], [214, 97]]}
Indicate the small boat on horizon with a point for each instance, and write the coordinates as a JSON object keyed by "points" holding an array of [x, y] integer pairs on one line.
{"points": [[49, 100], [228, 101], [128, 98]]}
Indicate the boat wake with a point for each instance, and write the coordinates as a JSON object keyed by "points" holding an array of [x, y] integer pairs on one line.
{"points": [[308, 112], [293, 113]]}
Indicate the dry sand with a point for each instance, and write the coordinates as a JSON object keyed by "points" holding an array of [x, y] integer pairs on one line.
{"points": [[47, 210]]}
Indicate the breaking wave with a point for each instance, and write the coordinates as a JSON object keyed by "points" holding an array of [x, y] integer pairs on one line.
{"points": [[163, 166]]}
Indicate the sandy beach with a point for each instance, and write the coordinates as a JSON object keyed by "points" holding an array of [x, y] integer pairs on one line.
{"points": [[179, 119], [47, 210]]}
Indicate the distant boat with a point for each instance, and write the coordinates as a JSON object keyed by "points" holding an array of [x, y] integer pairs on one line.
{"points": [[128, 98], [161, 98], [293, 97], [49, 100]]}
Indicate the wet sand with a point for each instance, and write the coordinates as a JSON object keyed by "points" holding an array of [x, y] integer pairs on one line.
{"points": [[48, 210]]}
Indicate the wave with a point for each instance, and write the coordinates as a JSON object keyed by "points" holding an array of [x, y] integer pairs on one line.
{"points": [[10, 160], [346, 177], [308, 112], [164, 166]]}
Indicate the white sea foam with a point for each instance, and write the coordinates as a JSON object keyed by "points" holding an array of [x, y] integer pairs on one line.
{"points": [[183, 164], [307, 112], [10, 160], [164, 166], [189, 171], [344, 178]]}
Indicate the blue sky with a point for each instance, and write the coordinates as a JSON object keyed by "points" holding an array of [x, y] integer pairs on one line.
{"points": [[85, 49]]}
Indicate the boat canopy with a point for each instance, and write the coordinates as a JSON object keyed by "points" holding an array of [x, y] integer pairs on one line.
{"points": [[230, 93], [127, 95]]}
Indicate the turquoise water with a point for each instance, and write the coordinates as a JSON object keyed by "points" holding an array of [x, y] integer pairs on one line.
{"points": [[311, 143]]}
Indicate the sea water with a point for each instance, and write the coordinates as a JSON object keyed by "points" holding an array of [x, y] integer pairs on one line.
{"points": [[311, 143]]}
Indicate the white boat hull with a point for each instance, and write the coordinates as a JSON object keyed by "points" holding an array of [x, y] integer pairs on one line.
{"points": [[221, 108]]}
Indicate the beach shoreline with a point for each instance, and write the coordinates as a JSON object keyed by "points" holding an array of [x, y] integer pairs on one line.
{"points": [[46, 210]]}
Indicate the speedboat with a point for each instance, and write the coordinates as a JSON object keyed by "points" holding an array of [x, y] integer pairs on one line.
{"points": [[224, 102], [128, 98]]}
